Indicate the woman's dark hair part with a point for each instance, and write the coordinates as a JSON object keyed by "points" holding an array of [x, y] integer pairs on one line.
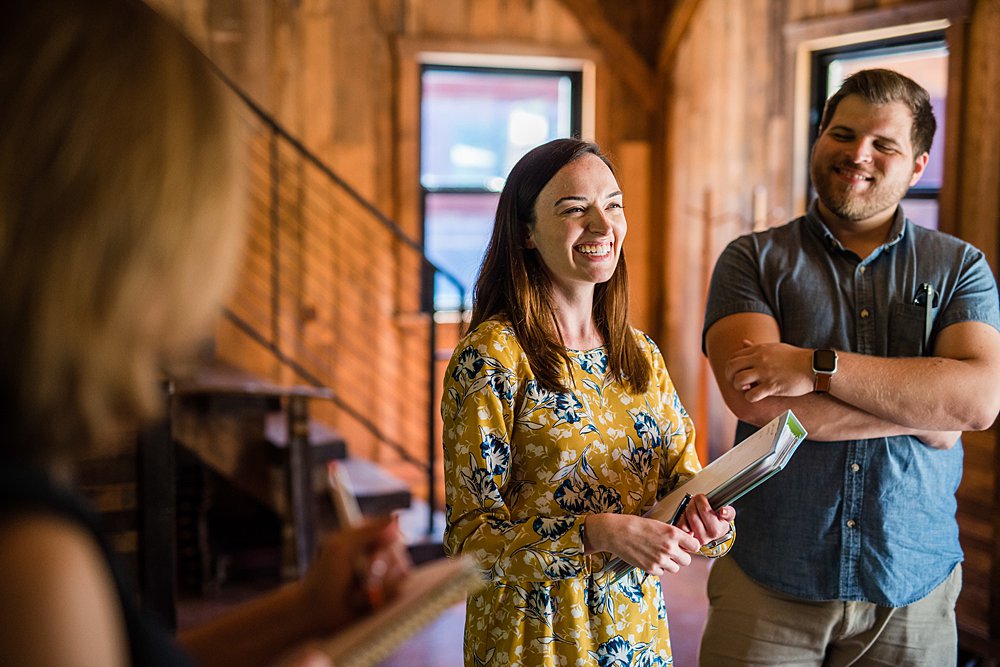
{"points": [[514, 283]]}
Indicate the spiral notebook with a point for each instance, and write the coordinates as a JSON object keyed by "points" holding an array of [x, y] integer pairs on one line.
{"points": [[428, 591], [747, 465]]}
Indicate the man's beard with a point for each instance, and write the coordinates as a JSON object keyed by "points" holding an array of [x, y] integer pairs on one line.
{"points": [[848, 204]]}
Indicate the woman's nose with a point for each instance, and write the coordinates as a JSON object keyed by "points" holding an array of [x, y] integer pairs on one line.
{"points": [[599, 221]]}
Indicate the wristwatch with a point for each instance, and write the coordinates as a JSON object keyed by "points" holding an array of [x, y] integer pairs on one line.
{"points": [[824, 366]]}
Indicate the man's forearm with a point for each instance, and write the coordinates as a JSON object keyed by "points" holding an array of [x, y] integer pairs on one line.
{"points": [[926, 393], [825, 418]]}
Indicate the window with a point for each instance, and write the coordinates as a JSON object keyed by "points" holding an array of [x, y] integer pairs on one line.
{"points": [[924, 58], [476, 123]]}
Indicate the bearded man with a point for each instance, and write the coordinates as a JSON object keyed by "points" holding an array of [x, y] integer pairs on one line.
{"points": [[884, 338]]}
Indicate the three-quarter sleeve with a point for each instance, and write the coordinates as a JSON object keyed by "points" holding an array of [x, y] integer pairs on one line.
{"points": [[486, 374], [680, 460]]}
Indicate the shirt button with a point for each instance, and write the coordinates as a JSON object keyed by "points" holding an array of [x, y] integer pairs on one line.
{"points": [[864, 313], [861, 269], [855, 467], [851, 523]]}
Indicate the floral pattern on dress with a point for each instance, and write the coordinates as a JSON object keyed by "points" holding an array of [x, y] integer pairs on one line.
{"points": [[524, 466]]}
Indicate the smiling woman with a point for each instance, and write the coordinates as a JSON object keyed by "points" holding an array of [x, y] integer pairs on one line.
{"points": [[578, 231], [561, 427]]}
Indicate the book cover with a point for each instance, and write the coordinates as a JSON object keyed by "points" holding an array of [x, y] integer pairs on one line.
{"points": [[748, 464]]}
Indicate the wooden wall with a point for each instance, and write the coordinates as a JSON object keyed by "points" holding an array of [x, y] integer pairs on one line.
{"points": [[342, 77], [728, 155], [329, 71]]}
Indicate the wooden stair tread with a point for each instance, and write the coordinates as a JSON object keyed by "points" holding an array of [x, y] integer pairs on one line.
{"points": [[325, 443], [423, 544], [219, 378], [378, 492]]}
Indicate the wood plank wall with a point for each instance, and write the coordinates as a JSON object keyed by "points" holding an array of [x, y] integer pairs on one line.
{"points": [[728, 135], [333, 74]]}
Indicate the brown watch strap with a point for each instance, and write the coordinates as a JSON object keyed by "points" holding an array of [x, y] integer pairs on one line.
{"points": [[822, 382]]}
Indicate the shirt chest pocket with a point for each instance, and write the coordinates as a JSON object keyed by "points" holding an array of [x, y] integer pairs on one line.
{"points": [[907, 324]]}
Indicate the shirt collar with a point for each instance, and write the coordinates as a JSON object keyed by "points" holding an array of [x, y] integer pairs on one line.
{"points": [[896, 232]]}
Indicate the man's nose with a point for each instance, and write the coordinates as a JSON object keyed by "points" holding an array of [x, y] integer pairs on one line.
{"points": [[860, 151]]}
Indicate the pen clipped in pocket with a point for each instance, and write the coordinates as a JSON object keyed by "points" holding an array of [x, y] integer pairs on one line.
{"points": [[911, 329]]}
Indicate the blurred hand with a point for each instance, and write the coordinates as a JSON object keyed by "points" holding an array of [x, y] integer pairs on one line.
{"points": [[355, 570], [307, 656]]}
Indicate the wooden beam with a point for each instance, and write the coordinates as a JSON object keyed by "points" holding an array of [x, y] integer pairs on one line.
{"points": [[673, 30], [619, 54]]}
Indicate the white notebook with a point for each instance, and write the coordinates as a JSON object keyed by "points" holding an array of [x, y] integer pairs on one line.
{"points": [[738, 471]]}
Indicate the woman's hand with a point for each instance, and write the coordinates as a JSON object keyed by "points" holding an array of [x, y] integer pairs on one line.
{"points": [[356, 570], [648, 544], [703, 523]]}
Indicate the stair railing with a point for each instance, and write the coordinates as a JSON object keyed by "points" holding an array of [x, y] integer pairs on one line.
{"points": [[336, 294]]}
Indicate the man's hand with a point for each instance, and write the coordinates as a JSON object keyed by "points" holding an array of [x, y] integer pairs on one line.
{"points": [[770, 369]]}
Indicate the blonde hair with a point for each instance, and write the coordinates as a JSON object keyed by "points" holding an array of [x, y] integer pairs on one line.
{"points": [[119, 223]]}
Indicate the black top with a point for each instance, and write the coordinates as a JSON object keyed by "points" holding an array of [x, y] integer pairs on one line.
{"points": [[26, 489]]}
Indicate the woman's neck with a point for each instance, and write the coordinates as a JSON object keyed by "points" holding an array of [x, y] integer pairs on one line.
{"points": [[575, 318]]}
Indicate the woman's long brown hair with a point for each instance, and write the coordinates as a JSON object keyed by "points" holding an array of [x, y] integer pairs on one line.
{"points": [[514, 283]]}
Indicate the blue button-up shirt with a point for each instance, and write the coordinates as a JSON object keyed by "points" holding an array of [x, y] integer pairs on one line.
{"points": [[874, 519]]}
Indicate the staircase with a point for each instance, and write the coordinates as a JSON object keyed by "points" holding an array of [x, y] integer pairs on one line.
{"points": [[256, 440]]}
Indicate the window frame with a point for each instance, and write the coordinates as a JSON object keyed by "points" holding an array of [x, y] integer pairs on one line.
{"points": [[575, 129], [412, 53]]}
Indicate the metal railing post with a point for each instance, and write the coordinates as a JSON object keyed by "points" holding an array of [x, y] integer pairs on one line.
{"points": [[431, 410]]}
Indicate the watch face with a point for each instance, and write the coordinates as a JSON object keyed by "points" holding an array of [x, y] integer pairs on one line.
{"points": [[824, 361]]}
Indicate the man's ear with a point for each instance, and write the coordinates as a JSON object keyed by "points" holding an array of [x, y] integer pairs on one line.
{"points": [[919, 165]]}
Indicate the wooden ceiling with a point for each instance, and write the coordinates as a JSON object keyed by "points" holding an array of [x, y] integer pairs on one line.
{"points": [[638, 37]]}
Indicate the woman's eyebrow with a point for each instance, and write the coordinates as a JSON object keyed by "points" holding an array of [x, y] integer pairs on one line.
{"points": [[616, 193]]}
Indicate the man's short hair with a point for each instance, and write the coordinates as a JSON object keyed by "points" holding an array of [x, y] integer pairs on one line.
{"points": [[882, 86]]}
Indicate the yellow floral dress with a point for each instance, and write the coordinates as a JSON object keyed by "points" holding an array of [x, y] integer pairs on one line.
{"points": [[523, 468]]}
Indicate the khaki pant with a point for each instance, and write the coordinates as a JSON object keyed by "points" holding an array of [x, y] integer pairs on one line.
{"points": [[752, 625]]}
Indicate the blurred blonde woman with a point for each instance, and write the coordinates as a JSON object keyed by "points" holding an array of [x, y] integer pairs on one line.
{"points": [[119, 232], [561, 428]]}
